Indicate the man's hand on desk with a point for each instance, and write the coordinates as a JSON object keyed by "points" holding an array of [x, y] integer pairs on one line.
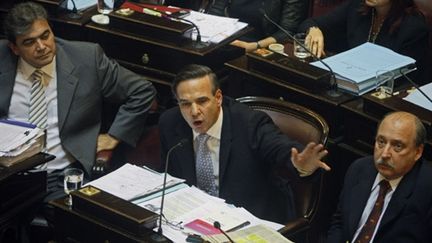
{"points": [[105, 146], [310, 159], [106, 142]]}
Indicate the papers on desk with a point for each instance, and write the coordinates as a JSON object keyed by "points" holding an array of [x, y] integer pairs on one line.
{"points": [[81, 4], [19, 141], [214, 28], [258, 233], [183, 205], [188, 204], [418, 99], [130, 182], [357, 69]]}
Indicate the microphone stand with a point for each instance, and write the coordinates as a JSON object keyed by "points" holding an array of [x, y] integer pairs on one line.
{"points": [[333, 92], [198, 43], [159, 236], [217, 225], [415, 85], [74, 12]]}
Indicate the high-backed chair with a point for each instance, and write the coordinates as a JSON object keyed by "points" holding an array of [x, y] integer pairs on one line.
{"points": [[303, 125]]}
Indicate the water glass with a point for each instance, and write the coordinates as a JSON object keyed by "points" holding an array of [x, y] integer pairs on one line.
{"points": [[105, 6], [73, 178], [299, 51], [384, 83]]}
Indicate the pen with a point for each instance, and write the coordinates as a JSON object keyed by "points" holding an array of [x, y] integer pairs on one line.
{"points": [[239, 226]]}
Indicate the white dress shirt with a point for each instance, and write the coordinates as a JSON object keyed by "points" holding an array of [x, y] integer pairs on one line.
{"points": [[371, 201], [213, 144], [20, 106]]}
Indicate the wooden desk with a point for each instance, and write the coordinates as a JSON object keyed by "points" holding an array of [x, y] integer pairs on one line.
{"points": [[245, 81], [72, 226], [362, 117], [156, 57], [19, 192]]}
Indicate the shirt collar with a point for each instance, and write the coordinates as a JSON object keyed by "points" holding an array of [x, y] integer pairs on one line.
{"points": [[27, 69], [215, 130], [393, 183]]}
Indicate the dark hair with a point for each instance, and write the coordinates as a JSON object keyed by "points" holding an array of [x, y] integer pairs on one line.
{"points": [[421, 133], [398, 10], [21, 17], [193, 71]]}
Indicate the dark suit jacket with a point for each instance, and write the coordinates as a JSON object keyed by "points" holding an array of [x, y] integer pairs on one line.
{"points": [[85, 79], [344, 28], [250, 145], [408, 217]]}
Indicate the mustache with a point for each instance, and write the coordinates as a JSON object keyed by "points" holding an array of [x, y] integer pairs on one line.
{"points": [[380, 161]]}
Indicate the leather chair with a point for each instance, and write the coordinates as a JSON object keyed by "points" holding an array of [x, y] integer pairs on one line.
{"points": [[303, 125]]}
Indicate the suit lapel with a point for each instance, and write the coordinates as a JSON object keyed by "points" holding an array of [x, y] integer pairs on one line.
{"points": [[66, 84], [225, 142], [359, 196], [400, 196]]}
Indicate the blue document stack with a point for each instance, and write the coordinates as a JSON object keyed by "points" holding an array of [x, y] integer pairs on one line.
{"points": [[362, 68]]}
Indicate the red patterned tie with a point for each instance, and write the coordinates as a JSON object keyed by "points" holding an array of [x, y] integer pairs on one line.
{"points": [[369, 227]]}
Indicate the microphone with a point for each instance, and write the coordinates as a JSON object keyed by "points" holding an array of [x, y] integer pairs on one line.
{"points": [[74, 14], [333, 92], [198, 43], [160, 237], [217, 225], [414, 84]]}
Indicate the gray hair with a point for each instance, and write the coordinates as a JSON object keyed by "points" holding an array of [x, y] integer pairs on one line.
{"points": [[21, 17]]}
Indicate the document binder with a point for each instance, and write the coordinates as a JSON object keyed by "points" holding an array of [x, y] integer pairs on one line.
{"points": [[113, 210]]}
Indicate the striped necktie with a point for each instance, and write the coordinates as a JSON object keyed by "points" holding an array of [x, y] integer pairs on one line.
{"points": [[204, 166], [38, 105]]}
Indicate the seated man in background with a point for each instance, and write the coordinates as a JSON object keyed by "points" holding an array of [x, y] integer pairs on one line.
{"points": [[60, 86], [230, 148], [388, 197]]}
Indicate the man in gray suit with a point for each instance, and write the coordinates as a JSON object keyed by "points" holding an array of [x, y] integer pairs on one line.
{"points": [[77, 78]]}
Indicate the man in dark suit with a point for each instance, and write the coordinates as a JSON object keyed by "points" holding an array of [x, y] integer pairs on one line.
{"points": [[77, 78], [406, 204], [241, 149]]}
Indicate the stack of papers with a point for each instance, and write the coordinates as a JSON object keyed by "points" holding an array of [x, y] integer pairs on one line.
{"points": [[214, 28], [359, 69], [186, 209], [130, 182], [19, 141]]}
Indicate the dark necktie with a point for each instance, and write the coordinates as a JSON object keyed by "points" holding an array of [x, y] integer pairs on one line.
{"points": [[371, 223], [38, 105], [204, 166]]}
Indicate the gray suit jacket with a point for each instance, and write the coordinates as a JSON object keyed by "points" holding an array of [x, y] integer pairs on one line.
{"points": [[86, 78]]}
